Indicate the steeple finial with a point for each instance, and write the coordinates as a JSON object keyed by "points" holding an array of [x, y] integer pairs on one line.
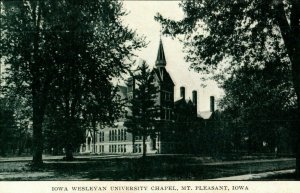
{"points": [[161, 59], [160, 33]]}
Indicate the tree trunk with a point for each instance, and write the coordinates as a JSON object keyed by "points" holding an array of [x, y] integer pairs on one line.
{"points": [[290, 34], [295, 19], [144, 146], [69, 152], [94, 140], [39, 91], [298, 136], [133, 142], [94, 136], [68, 136], [298, 150], [37, 141], [39, 100]]}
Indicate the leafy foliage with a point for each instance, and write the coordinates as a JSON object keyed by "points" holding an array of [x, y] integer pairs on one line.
{"points": [[258, 103], [65, 54], [227, 37], [143, 113], [237, 32]]}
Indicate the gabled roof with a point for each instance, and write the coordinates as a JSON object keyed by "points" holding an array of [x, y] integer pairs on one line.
{"points": [[185, 101], [182, 103], [163, 75], [179, 101]]}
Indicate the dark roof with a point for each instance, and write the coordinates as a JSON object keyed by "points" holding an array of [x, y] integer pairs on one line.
{"points": [[163, 75], [179, 101], [182, 103], [160, 59], [186, 101]]}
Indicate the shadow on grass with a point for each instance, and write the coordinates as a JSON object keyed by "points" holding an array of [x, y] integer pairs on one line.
{"points": [[152, 168]]}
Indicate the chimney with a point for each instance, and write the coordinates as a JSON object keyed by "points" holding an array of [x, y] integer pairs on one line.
{"points": [[212, 103], [182, 92], [194, 97]]}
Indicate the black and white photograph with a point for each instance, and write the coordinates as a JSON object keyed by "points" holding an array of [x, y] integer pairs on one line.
{"points": [[150, 91]]}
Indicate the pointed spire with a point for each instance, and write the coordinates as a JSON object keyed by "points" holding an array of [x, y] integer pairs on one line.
{"points": [[161, 59]]}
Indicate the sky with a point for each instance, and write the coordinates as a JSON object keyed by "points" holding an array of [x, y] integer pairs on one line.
{"points": [[141, 17]]}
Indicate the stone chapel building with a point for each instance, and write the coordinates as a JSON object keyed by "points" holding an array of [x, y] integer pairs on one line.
{"points": [[168, 139]]}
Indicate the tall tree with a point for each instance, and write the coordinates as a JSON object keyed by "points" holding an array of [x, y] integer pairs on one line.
{"points": [[141, 120], [240, 33], [93, 51], [59, 47], [27, 58], [262, 101]]}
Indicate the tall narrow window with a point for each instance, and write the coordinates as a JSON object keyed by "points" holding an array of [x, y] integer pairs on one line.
{"points": [[163, 114], [167, 114]]}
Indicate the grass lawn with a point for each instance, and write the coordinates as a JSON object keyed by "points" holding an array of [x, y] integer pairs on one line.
{"points": [[153, 168]]}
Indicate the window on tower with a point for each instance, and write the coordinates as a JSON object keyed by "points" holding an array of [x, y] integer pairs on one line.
{"points": [[162, 95], [163, 113], [167, 114]]}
